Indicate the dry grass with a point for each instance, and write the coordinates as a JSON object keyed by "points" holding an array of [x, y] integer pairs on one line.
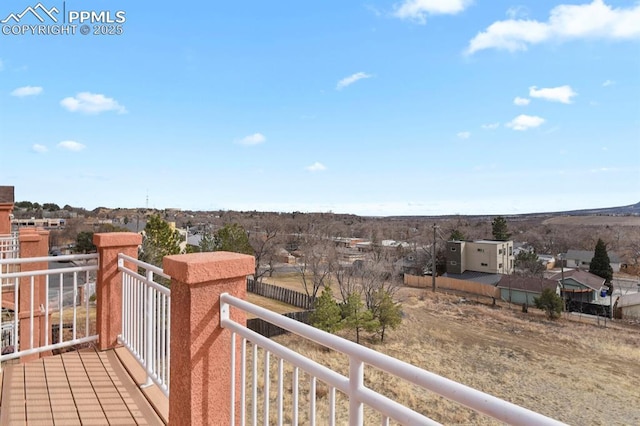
{"points": [[271, 304], [578, 373]]}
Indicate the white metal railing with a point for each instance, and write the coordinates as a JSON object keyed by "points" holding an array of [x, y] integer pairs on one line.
{"points": [[61, 288], [9, 249], [146, 320], [352, 385]]}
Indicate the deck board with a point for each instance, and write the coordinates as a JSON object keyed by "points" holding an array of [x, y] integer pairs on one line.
{"points": [[76, 388]]}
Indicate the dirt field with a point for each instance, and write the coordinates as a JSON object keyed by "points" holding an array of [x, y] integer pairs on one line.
{"points": [[577, 373]]}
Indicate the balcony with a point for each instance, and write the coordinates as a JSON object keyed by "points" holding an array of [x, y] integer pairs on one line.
{"points": [[188, 350]]}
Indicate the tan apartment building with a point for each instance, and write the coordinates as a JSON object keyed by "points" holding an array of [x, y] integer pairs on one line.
{"points": [[488, 256]]}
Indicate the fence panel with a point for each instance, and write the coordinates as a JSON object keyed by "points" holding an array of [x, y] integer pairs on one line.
{"points": [[281, 294]]}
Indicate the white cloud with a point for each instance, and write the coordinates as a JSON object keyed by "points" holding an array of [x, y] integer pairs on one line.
{"points": [[347, 81], [254, 139], [71, 146], [595, 20], [464, 135], [316, 167], [40, 149], [525, 122], [556, 94], [521, 101], [490, 126], [608, 83], [515, 12], [92, 103], [27, 91], [417, 10]]}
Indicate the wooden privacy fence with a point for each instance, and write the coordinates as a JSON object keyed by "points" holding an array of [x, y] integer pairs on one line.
{"points": [[269, 330], [453, 284], [284, 295]]}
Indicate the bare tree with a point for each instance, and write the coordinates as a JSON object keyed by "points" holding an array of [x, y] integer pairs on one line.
{"points": [[263, 237], [317, 263]]}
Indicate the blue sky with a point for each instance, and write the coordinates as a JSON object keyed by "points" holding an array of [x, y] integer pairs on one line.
{"points": [[374, 108]]}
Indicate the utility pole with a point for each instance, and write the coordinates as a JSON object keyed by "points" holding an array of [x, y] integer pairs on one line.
{"points": [[433, 260]]}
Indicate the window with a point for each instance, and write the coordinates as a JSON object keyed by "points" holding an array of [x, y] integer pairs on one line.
{"points": [[481, 250], [484, 264], [510, 251], [453, 249], [500, 266], [453, 262], [500, 251]]}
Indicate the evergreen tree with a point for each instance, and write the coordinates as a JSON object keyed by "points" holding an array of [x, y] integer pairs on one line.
{"points": [[387, 312], [456, 235], [207, 242], [550, 302], [601, 264], [499, 229], [357, 317], [326, 315], [233, 237], [84, 242], [159, 240]]}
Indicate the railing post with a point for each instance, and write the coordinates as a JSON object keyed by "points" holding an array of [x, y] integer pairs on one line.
{"points": [[33, 243], [200, 348], [109, 283], [149, 326]]}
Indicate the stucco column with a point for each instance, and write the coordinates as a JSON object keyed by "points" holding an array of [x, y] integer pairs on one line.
{"points": [[31, 245], [109, 283], [5, 218], [200, 348]]}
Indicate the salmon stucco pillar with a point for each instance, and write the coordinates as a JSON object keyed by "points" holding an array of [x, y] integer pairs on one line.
{"points": [[200, 347], [5, 218], [33, 243], [109, 283]]}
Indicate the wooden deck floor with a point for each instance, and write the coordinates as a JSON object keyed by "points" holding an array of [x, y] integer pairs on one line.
{"points": [[75, 388]]}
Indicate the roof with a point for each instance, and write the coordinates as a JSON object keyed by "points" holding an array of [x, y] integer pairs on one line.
{"points": [[7, 194], [534, 285], [583, 277], [586, 256], [479, 277]]}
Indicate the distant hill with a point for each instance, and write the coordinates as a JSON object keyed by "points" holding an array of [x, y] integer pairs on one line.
{"points": [[633, 209], [630, 210]]}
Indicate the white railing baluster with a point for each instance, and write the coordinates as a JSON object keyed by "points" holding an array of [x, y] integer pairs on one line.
{"points": [[11, 273], [233, 379], [31, 309], [332, 406], [254, 382], [75, 307], [356, 377], [294, 395], [243, 383], [146, 322], [312, 401], [353, 387], [280, 386], [265, 420]]}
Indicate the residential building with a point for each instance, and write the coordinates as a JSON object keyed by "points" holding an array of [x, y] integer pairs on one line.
{"points": [[523, 290], [487, 256], [581, 259], [582, 287]]}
